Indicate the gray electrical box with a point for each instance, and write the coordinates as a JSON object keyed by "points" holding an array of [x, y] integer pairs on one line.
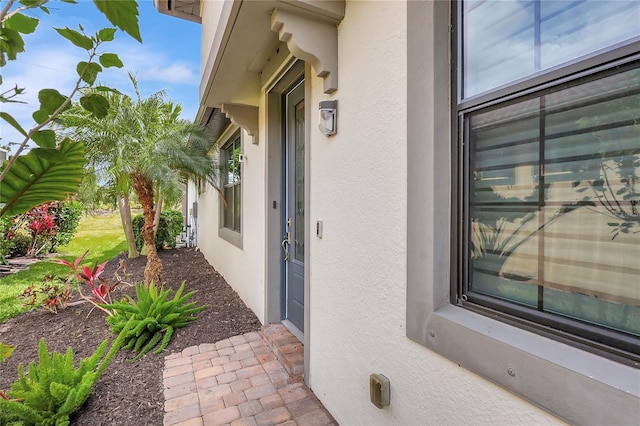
{"points": [[379, 390]]}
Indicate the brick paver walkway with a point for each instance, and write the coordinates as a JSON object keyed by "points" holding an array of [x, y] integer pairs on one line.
{"points": [[237, 381]]}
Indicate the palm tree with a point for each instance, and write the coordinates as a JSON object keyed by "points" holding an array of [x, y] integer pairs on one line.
{"points": [[143, 145]]}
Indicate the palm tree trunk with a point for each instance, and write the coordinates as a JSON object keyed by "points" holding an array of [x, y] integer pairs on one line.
{"points": [[144, 189], [156, 219], [124, 207]]}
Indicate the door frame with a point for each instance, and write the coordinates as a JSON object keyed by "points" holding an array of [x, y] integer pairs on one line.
{"points": [[291, 71]]}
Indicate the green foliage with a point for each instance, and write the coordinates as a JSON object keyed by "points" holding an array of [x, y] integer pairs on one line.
{"points": [[172, 227], [123, 14], [5, 245], [50, 225], [52, 162], [19, 244], [54, 388], [67, 217], [11, 32], [41, 176], [53, 294], [5, 351], [153, 317], [169, 227], [137, 223], [102, 235]]}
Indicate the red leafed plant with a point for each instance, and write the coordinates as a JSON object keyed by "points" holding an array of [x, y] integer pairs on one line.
{"points": [[56, 293], [99, 286], [41, 225]]}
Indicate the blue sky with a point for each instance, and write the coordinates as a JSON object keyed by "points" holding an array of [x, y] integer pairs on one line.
{"points": [[168, 59]]}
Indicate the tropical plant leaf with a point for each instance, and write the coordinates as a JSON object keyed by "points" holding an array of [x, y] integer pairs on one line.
{"points": [[106, 34], [9, 119], [29, 3], [34, 180], [11, 43], [107, 89], [22, 23], [123, 14], [88, 71], [50, 154], [76, 37], [40, 116], [45, 138], [96, 104], [50, 100], [110, 60]]}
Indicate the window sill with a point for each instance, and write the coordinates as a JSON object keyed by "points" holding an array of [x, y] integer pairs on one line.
{"points": [[230, 236], [578, 386]]}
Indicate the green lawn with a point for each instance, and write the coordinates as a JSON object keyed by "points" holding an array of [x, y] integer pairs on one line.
{"points": [[101, 235]]}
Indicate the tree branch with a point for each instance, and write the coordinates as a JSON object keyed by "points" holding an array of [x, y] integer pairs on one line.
{"points": [[4, 14], [57, 112]]}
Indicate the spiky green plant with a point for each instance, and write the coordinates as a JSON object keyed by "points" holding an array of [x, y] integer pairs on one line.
{"points": [[154, 317], [53, 389]]}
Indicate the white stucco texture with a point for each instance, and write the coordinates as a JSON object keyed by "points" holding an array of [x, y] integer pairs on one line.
{"points": [[358, 269]]}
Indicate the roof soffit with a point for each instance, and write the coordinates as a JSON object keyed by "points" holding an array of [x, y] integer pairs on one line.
{"points": [[184, 9], [247, 37]]}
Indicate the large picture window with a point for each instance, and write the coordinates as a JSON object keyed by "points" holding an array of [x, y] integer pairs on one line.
{"points": [[548, 119], [232, 184]]}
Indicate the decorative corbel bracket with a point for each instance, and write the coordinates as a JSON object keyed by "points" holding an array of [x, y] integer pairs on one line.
{"points": [[245, 116], [312, 41]]}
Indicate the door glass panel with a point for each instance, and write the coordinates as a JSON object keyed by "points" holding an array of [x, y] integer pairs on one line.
{"points": [[299, 182]]}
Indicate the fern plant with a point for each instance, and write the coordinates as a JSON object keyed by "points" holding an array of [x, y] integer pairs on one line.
{"points": [[154, 317], [53, 389]]}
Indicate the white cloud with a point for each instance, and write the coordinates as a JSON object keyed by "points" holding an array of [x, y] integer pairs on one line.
{"points": [[50, 62], [52, 67], [156, 65], [173, 73]]}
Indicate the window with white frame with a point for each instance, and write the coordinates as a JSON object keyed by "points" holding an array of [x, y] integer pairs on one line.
{"points": [[232, 175], [547, 116]]}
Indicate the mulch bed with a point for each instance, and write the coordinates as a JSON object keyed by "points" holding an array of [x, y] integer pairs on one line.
{"points": [[129, 393]]}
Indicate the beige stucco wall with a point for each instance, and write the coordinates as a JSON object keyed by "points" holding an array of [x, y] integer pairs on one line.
{"points": [[358, 188], [210, 11], [358, 268], [242, 267]]}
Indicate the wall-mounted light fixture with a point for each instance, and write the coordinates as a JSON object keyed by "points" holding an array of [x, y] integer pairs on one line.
{"points": [[328, 117]]}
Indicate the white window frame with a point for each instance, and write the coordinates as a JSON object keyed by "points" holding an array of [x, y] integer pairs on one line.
{"points": [[566, 380]]}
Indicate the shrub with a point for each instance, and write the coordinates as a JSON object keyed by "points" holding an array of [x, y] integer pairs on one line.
{"points": [[100, 287], [169, 231], [52, 295], [137, 223], [40, 222], [53, 389], [49, 225], [5, 244], [169, 227], [67, 217], [19, 245], [153, 317]]}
